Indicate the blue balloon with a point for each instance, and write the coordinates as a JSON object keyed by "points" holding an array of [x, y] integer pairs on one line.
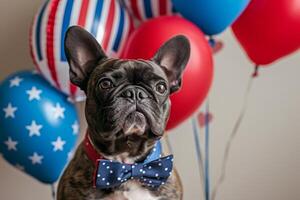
{"points": [[38, 126], [212, 16]]}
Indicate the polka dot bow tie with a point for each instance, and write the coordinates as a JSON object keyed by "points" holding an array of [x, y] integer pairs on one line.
{"points": [[152, 174]]}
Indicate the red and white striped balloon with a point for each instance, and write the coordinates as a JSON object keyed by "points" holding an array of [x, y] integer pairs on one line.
{"points": [[143, 10], [107, 20]]}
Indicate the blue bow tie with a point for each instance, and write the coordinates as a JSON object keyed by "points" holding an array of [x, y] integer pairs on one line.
{"points": [[152, 173]]}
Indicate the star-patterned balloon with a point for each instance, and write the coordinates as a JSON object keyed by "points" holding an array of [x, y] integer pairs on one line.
{"points": [[38, 126]]}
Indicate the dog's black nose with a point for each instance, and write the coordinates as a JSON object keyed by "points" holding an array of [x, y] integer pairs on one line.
{"points": [[135, 94]]}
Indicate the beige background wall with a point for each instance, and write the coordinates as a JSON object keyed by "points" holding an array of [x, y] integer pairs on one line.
{"points": [[265, 159]]}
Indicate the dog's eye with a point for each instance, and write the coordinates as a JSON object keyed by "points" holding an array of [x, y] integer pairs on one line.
{"points": [[161, 88], [105, 84]]}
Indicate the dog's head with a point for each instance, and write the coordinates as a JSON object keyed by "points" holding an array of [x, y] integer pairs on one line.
{"points": [[127, 105]]}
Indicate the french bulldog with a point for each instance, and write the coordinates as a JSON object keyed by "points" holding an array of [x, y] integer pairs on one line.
{"points": [[127, 108]]}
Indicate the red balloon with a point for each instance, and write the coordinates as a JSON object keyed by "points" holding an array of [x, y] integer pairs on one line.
{"points": [[146, 40], [269, 29]]}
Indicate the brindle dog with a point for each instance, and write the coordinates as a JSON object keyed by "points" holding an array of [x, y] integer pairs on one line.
{"points": [[127, 108]]}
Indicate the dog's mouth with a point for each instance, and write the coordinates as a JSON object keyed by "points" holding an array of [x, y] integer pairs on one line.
{"points": [[125, 119], [135, 124]]}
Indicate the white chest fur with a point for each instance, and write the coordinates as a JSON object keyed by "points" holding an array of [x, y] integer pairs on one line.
{"points": [[134, 192]]}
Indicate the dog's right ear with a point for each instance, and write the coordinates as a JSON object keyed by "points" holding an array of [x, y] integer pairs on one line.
{"points": [[82, 52]]}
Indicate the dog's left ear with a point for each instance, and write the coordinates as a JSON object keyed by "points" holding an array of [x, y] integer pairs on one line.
{"points": [[173, 57], [83, 53]]}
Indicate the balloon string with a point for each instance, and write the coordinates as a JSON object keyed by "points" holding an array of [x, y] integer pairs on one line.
{"points": [[53, 191], [207, 160], [168, 143], [233, 135], [198, 151]]}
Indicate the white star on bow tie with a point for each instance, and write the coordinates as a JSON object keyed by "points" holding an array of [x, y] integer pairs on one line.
{"points": [[11, 144], [10, 111], [34, 129], [58, 144], [15, 82], [34, 93], [36, 158]]}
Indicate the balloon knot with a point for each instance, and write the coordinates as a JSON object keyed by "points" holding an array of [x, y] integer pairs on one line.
{"points": [[212, 41], [255, 73]]}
